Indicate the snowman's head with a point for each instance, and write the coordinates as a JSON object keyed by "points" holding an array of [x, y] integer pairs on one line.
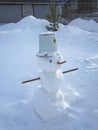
{"points": [[49, 58], [50, 62]]}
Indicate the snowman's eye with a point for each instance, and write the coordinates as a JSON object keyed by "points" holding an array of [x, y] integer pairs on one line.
{"points": [[50, 61]]}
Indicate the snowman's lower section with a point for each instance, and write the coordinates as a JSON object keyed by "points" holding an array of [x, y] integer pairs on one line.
{"points": [[49, 107]]}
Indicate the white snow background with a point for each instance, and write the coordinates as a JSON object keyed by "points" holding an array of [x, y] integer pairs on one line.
{"points": [[78, 43]]}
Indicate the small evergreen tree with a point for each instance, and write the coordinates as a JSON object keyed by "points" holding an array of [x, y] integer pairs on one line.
{"points": [[53, 16]]}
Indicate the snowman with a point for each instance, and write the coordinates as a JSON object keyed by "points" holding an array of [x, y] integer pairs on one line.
{"points": [[49, 100]]}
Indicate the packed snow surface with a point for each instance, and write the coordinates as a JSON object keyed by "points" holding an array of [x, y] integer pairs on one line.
{"points": [[78, 43]]}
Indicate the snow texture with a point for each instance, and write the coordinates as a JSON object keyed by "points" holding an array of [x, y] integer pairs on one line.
{"points": [[78, 43]]}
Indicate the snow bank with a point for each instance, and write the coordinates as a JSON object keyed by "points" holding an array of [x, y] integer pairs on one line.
{"points": [[87, 25]]}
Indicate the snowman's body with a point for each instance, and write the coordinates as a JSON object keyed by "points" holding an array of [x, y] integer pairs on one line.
{"points": [[51, 76], [51, 81], [49, 100]]}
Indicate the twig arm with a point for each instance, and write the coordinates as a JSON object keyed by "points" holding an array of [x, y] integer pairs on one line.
{"points": [[70, 70], [38, 78], [30, 80]]}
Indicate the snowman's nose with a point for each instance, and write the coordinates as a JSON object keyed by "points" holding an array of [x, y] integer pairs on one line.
{"points": [[61, 62]]}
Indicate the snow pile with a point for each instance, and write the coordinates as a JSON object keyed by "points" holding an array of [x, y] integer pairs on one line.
{"points": [[26, 23], [87, 25], [78, 43]]}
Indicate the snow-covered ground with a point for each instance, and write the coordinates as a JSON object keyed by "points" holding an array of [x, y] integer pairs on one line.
{"points": [[78, 43]]}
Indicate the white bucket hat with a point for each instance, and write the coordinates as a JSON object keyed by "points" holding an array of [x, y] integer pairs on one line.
{"points": [[47, 44]]}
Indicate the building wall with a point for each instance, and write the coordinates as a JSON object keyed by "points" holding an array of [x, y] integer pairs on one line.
{"points": [[10, 13], [27, 10], [15, 12], [97, 4], [41, 11]]}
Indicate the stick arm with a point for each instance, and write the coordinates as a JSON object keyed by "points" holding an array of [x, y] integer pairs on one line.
{"points": [[38, 78], [30, 80]]}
